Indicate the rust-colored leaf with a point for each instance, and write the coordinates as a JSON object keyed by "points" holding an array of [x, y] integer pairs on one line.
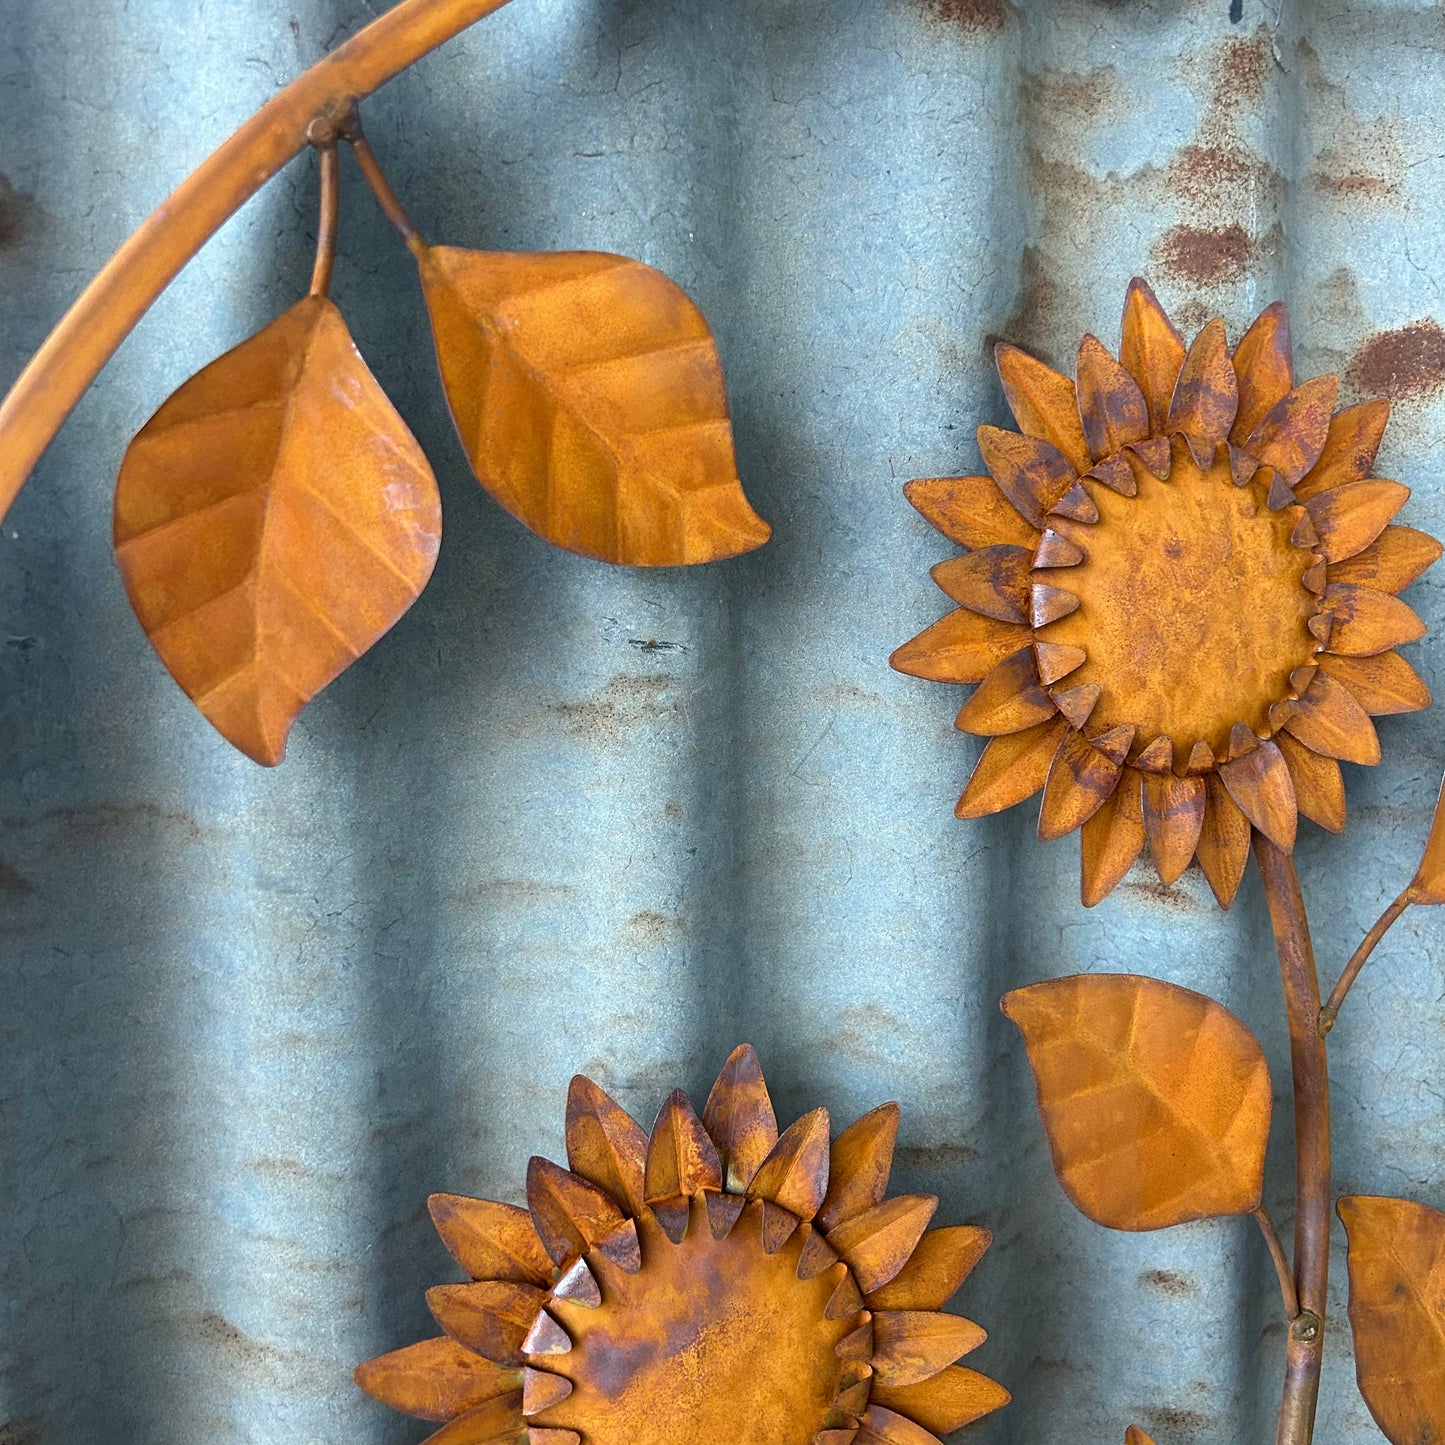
{"points": [[794, 1176], [541, 1390], [1151, 350], [1173, 817], [964, 646], [1011, 768], [490, 1240], [1044, 402], [739, 1117], [953, 1398], [993, 581], [1111, 840], [435, 1379], [883, 1427], [272, 520], [1384, 682], [877, 1243], [1135, 1436], [1010, 699], [1319, 786], [571, 1215], [1365, 621], [1428, 884], [971, 511], [1032, 473], [1206, 395], [1397, 1285], [1350, 517], [498, 1422], [681, 1159], [1391, 563], [491, 1318], [1081, 778], [1329, 719], [589, 398], [1292, 435], [605, 1143], [942, 1261], [1111, 405], [1259, 782], [1264, 368], [1223, 847], [1350, 447], [1155, 1099], [913, 1345], [860, 1162]]}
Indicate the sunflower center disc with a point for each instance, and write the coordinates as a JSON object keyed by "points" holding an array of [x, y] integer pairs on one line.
{"points": [[712, 1340], [1192, 608]]}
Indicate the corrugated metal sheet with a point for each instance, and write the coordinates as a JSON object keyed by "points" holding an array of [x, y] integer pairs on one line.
{"points": [[566, 817]]}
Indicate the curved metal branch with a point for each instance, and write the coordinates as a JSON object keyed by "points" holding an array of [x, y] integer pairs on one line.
{"points": [[109, 308]]}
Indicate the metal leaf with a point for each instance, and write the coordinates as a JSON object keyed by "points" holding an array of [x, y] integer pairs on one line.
{"points": [[605, 1143], [1428, 885], [739, 1117], [1155, 1099], [860, 1162], [589, 398], [435, 1379], [490, 1240], [272, 520], [951, 1399]]}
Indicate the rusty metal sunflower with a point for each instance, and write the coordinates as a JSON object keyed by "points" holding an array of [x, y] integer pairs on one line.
{"points": [[713, 1282], [1178, 599]]}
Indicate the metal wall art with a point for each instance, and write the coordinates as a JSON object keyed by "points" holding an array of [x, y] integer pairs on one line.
{"points": [[716, 1281], [1178, 603]]}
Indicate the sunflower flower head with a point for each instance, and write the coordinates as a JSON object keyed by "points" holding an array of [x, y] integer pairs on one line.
{"points": [[1177, 600], [716, 1281]]}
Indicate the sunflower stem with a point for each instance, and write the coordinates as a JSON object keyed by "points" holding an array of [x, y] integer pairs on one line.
{"points": [[1386, 921], [1304, 1349]]}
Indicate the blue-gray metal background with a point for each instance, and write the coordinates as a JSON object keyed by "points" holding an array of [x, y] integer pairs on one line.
{"points": [[567, 817]]}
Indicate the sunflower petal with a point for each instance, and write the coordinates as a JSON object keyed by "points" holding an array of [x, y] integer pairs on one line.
{"points": [[1135, 1436], [860, 1162], [435, 1379], [1292, 434], [498, 1422], [1031, 473], [1350, 447], [739, 1118], [1259, 782], [491, 1318], [1223, 847], [1365, 621], [1111, 405], [1116, 474], [953, 1398], [1057, 551], [970, 511], [1330, 720], [1264, 369], [795, 1174], [883, 1427], [1206, 395], [911, 1345], [1078, 703], [846, 1302], [964, 646], [1057, 660], [1044, 403], [1173, 817], [541, 1390], [490, 1240], [938, 1267], [571, 1215], [605, 1143], [877, 1243], [816, 1254], [777, 1227], [1011, 768], [1319, 786], [1391, 563], [1428, 884], [682, 1159], [579, 1285], [1384, 682], [723, 1212], [1047, 604], [1081, 778], [1350, 517], [1111, 840], [1151, 350], [1010, 699], [993, 581], [536, 1435]]}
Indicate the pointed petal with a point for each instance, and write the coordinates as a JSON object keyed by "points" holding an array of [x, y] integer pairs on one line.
{"points": [[605, 1143], [571, 1215], [541, 1390], [993, 581], [1349, 518], [498, 1422], [739, 1117], [1076, 504], [911, 1345], [1292, 435], [1330, 720], [1173, 816], [1116, 474], [859, 1164], [1057, 660], [1391, 563], [845, 1303], [1081, 778], [547, 1337], [778, 1226], [434, 1379], [492, 1317], [579, 1286], [1044, 403], [1135, 1436], [681, 1158], [857, 1345], [953, 1398], [722, 1213], [939, 1265], [1223, 848], [816, 1254], [1319, 786], [845, 1436], [1010, 699], [1201, 759], [1111, 840], [1156, 455], [877, 1243], [1350, 447], [1032, 474], [795, 1174], [1111, 405], [490, 1240], [970, 511], [536, 1435], [962, 647], [1057, 551], [1078, 703], [883, 1427], [1151, 351], [1264, 368], [1365, 621], [1428, 884], [1158, 757], [1260, 783], [1047, 604], [1207, 394], [1011, 768], [1384, 682]]}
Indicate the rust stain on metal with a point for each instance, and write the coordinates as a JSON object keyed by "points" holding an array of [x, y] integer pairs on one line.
{"points": [[15, 212], [1406, 362], [1206, 256], [1169, 1282], [970, 16], [1241, 69]]}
